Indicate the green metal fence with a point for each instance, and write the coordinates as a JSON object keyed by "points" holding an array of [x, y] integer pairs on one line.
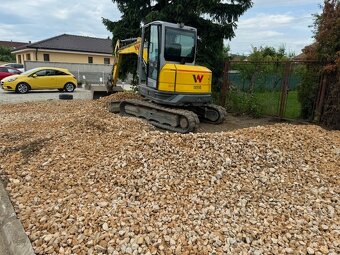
{"points": [[268, 88]]}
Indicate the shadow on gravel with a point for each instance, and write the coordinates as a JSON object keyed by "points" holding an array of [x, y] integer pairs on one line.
{"points": [[27, 150]]}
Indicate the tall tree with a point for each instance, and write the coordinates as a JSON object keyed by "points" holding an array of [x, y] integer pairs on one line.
{"points": [[326, 48], [256, 71], [327, 35], [214, 20], [6, 55]]}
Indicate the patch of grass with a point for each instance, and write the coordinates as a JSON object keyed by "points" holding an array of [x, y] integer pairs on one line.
{"points": [[263, 103], [269, 102], [293, 107]]}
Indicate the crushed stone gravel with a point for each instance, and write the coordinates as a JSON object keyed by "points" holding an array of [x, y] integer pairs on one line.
{"points": [[86, 181], [118, 97]]}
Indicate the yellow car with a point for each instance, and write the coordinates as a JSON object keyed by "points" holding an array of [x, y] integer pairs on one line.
{"points": [[40, 78]]}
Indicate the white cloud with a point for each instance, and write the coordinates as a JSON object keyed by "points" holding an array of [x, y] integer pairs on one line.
{"points": [[287, 25], [62, 14], [10, 31], [36, 20], [269, 22], [269, 34], [276, 3], [266, 21]]}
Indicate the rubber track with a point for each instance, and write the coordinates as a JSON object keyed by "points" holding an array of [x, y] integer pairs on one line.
{"points": [[221, 111], [189, 115], [200, 111]]}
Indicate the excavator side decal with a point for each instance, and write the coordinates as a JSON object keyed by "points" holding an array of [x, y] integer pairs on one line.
{"points": [[198, 78]]}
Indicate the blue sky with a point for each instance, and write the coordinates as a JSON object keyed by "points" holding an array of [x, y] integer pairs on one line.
{"points": [[269, 22]]}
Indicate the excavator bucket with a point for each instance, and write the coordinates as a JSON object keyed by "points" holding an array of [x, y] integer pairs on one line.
{"points": [[101, 91]]}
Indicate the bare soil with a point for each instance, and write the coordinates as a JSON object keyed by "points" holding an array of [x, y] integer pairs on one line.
{"points": [[235, 122]]}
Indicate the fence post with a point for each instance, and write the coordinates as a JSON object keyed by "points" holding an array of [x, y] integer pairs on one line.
{"points": [[225, 84], [284, 89], [320, 98]]}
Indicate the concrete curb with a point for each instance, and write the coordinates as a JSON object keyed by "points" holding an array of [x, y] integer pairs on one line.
{"points": [[11, 230]]}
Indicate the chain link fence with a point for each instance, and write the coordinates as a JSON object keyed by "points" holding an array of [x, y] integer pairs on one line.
{"points": [[281, 89]]}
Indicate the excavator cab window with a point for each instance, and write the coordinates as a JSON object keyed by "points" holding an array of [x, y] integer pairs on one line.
{"points": [[152, 35], [179, 45], [153, 53]]}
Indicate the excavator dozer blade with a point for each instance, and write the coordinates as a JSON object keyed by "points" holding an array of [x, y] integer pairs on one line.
{"points": [[101, 91]]}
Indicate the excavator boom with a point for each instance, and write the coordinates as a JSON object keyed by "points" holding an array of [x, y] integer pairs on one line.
{"points": [[122, 48]]}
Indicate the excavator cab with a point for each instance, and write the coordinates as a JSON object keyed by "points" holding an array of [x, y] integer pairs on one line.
{"points": [[166, 66]]}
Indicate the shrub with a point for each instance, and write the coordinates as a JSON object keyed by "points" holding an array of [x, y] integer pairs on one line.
{"points": [[307, 90], [243, 103]]}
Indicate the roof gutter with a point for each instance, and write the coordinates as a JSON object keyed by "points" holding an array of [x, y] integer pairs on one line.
{"points": [[65, 51]]}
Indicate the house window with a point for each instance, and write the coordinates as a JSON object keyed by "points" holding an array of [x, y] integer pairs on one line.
{"points": [[90, 60], [46, 57], [28, 57], [19, 59], [106, 61]]}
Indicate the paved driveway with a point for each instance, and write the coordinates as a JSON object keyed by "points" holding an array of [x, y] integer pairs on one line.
{"points": [[3, 248], [7, 97]]}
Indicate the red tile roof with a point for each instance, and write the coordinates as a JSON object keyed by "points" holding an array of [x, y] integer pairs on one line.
{"points": [[11, 44]]}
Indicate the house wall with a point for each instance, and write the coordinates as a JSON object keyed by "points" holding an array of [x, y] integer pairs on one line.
{"points": [[60, 57], [25, 56]]}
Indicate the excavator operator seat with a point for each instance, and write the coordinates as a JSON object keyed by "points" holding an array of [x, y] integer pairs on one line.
{"points": [[173, 51]]}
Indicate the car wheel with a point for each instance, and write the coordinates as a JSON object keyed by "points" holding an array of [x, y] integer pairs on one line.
{"points": [[61, 90], [65, 97], [22, 88], [69, 87]]}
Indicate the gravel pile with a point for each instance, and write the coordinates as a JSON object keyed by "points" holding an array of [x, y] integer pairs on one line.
{"points": [[118, 96], [85, 181]]}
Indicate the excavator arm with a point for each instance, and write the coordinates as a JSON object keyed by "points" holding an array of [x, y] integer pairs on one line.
{"points": [[123, 47]]}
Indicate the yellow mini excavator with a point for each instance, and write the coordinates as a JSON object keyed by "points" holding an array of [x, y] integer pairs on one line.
{"points": [[177, 92]]}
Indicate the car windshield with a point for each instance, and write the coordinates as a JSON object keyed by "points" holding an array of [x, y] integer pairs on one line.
{"points": [[28, 72], [179, 45]]}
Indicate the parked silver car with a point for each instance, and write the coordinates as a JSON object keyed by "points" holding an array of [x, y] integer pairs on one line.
{"points": [[17, 66]]}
